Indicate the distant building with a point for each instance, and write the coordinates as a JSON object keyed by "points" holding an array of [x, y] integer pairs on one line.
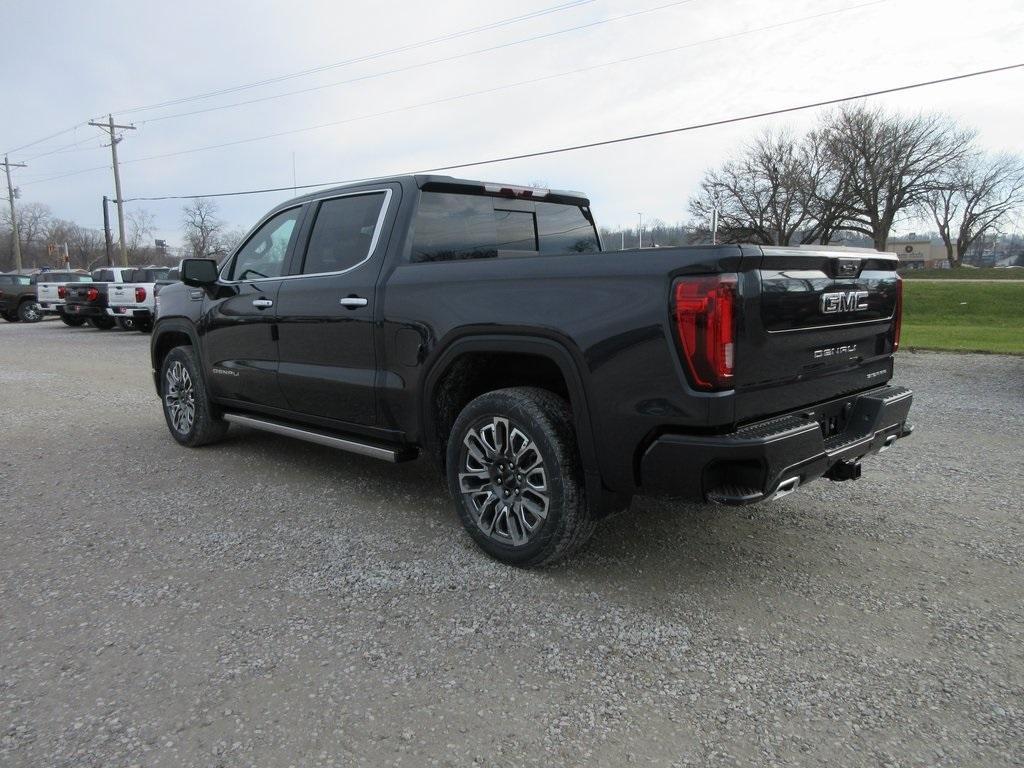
{"points": [[919, 254]]}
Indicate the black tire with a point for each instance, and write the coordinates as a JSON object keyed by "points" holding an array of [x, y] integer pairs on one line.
{"points": [[101, 323], [29, 312], [126, 323], [544, 421], [10, 317], [72, 322], [205, 426], [144, 326]]}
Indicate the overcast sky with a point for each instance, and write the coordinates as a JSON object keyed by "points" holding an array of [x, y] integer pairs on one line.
{"points": [[72, 61]]}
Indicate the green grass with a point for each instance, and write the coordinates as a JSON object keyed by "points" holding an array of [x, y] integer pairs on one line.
{"points": [[964, 273], [986, 317]]}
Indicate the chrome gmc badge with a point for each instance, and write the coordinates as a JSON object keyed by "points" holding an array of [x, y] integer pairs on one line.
{"points": [[844, 301]]}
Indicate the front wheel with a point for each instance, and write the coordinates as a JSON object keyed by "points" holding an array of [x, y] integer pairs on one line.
{"points": [[101, 323], [29, 312], [514, 470], [186, 404], [10, 317]]}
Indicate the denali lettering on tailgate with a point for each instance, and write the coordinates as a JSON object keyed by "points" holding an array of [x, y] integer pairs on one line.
{"points": [[844, 301], [846, 349]]}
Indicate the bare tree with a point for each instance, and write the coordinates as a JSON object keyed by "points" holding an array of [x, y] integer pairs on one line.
{"points": [[980, 193], [202, 227], [141, 225], [781, 190], [33, 220], [889, 163]]}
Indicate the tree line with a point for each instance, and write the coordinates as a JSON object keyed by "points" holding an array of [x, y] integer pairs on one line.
{"points": [[43, 237], [859, 172]]}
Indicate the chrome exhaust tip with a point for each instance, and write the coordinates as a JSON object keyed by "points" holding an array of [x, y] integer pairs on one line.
{"points": [[786, 487]]}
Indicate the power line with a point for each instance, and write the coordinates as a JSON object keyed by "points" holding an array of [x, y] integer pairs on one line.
{"points": [[420, 65], [74, 127], [469, 94], [606, 142], [411, 46], [366, 57]]}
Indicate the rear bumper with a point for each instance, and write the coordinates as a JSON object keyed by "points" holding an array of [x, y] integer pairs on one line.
{"points": [[773, 457], [84, 310], [128, 311]]}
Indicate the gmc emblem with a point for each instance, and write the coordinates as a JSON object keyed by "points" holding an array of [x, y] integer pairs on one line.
{"points": [[844, 301]]}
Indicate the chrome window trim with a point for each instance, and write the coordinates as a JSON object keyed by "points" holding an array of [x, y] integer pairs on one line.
{"points": [[373, 241]]}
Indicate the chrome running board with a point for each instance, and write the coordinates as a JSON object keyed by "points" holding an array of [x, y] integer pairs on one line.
{"points": [[320, 438]]}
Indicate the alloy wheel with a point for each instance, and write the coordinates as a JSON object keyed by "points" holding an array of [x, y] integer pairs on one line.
{"points": [[180, 397], [504, 481]]}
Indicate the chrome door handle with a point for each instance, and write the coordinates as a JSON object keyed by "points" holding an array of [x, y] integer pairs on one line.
{"points": [[353, 302], [262, 303]]}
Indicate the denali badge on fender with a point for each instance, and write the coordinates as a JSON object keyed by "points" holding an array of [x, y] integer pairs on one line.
{"points": [[844, 301]]}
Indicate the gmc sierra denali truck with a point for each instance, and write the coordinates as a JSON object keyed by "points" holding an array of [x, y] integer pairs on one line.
{"points": [[553, 381]]}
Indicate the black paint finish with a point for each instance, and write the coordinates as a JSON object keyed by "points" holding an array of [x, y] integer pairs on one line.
{"points": [[603, 318]]}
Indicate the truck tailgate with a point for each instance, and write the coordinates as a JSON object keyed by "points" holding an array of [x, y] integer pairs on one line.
{"points": [[817, 324]]}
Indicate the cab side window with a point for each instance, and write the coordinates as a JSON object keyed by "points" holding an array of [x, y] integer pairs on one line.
{"points": [[263, 255], [342, 233]]}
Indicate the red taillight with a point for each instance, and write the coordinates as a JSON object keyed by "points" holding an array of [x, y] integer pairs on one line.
{"points": [[705, 315], [897, 315], [92, 294], [62, 292], [140, 294]]}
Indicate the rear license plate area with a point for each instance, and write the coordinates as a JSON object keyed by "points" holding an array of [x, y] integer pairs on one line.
{"points": [[832, 419]]}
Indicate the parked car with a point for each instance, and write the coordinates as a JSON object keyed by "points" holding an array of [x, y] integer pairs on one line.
{"points": [[483, 324], [89, 302], [51, 292], [18, 299], [131, 303]]}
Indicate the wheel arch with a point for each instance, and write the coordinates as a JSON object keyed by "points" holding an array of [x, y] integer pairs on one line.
{"points": [[168, 334], [556, 354]]}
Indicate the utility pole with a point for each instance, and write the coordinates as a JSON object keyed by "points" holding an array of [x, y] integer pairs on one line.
{"points": [[110, 127], [640, 229], [106, 232], [14, 216]]}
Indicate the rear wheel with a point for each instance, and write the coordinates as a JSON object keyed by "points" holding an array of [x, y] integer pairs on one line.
{"points": [[126, 323], [514, 470], [101, 323], [29, 312], [186, 404], [144, 326], [73, 322]]}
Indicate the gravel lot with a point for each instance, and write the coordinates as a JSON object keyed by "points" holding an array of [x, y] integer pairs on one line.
{"points": [[268, 602]]}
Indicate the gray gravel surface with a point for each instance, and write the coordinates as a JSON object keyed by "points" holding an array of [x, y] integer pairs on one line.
{"points": [[268, 602]]}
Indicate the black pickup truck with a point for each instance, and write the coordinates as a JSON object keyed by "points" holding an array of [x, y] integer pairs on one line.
{"points": [[553, 381]]}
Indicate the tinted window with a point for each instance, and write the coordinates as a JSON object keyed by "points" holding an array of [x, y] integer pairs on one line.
{"points": [[565, 228], [515, 230], [342, 233], [21, 280], [103, 275], [263, 255], [452, 226], [5, 280]]}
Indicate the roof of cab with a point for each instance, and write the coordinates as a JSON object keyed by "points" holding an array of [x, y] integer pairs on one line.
{"points": [[431, 181]]}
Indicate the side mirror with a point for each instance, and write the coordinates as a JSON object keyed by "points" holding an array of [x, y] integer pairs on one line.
{"points": [[199, 273]]}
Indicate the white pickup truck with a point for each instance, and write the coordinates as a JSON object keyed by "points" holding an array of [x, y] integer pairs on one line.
{"points": [[51, 292], [131, 303]]}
